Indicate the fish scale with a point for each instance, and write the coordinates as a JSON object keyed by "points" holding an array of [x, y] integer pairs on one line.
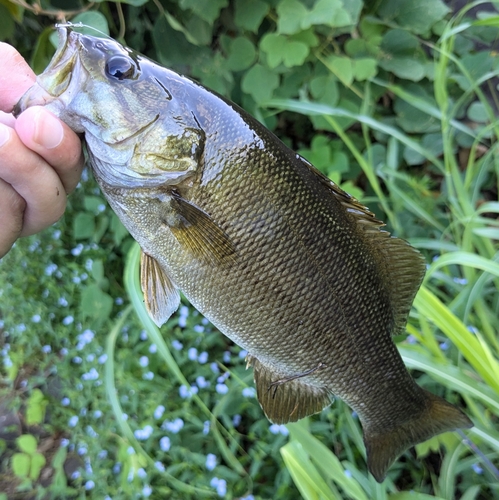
{"points": [[278, 257]]}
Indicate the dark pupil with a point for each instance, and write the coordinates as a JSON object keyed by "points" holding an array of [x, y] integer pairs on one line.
{"points": [[119, 67]]}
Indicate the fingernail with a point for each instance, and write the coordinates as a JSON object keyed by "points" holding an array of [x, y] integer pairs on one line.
{"points": [[4, 134], [48, 130]]}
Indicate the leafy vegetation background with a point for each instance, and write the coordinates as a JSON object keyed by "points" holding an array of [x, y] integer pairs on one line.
{"points": [[396, 101]]}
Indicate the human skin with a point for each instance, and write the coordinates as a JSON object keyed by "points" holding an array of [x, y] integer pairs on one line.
{"points": [[41, 158]]}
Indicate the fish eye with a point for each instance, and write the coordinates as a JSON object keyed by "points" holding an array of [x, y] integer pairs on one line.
{"points": [[120, 67]]}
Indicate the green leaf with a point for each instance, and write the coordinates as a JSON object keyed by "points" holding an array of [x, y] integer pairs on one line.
{"points": [[249, 14], [477, 112], [37, 463], [260, 82], [291, 13], [93, 203], [364, 68], [83, 226], [342, 68], [21, 464], [44, 50], [415, 15], [7, 25], [27, 443], [242, 54], [95, 303], [35, 408], [304, 474], [208, 10]]}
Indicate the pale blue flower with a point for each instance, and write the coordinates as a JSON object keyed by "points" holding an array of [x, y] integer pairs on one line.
{"points": [[177, 345], [206, 427], [65, 401], [164, 443], [222, 389], [102, 359], [211, 461], [146, 490], [143, 361], [73, 421], [192, 354], [249, 392], [153, 349], [203, 358], [46, 349], [141, 473], [159, 466], [36, 318], [158, 412]]}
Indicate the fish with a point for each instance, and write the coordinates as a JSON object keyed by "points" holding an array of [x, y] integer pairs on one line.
{"points": [[281, 260]]}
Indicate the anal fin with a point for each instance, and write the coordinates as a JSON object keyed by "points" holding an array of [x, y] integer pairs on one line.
{"points": [[290, 400], [160, 295]]}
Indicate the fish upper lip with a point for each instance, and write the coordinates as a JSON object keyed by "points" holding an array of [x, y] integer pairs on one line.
{"points": [[56, 78]]}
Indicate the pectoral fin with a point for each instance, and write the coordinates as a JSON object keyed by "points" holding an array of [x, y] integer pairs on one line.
{"points": [[289, 401], [160, 295], [203, 237]]}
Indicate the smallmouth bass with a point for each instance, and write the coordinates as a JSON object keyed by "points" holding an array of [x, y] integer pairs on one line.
{"points": [[273, 253]]}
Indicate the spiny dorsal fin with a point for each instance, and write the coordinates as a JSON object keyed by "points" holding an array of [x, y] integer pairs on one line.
{"points": [[402, 266], [160, 295], [290, 401], [200, 234]]}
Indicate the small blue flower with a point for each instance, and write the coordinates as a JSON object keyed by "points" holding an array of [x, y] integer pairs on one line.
{"points": [[143, 335], [143, 434], [226, 357], [222, 389], [36, 318], [214, 368], [77, 360], [102, 359], [184, 392], [77, 250], [249, 392], [222, 487], [82, 450], [46, 349], [173, 427], [211, 461], [143, 361], [192, 354], [444, 346], [62, 302], [90, 357], [141, 473], [117, 468], [242, 354], [236, 420], [198, 328], [164, 443], [131, 450], [97, 414], [278, 429], [68, 320], [201, 382], [102, 454], [348, 473], [159, 466], [203, 358], [158, 412], [177, 345], [65, 401], [93, 374], [63, 352], [73, 421], [146, 490], [206, 427], [477, 469], [64, 442], [153, 349]]}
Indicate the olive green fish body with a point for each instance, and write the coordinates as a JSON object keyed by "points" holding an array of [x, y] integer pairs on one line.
{"points": [[282, 261]]}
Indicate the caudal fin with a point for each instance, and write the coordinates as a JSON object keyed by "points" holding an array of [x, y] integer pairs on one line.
{"points": [[384, 448]]}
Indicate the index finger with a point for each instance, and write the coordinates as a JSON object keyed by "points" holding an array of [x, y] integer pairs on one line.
{"points": [[15, 76]]}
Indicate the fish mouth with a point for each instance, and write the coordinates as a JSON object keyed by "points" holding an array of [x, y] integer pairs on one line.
{"points": [[56, 78]]}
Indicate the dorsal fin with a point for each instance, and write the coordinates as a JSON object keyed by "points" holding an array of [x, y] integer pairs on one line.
{"points": [[291, 400], [402, 267]]}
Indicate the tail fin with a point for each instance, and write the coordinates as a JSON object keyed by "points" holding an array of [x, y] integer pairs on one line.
{"points": [[384, 448]]}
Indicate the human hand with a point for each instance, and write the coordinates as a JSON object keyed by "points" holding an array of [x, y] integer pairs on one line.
{"points": [[41, 158]]}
